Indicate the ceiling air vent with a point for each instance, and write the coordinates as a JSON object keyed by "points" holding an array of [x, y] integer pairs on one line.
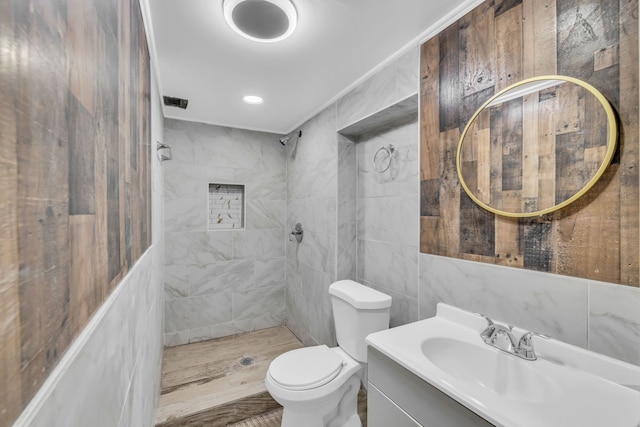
{"points": [[175, 102]]}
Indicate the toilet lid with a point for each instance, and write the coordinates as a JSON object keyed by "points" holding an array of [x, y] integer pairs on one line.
{"points": [[305, 368]]}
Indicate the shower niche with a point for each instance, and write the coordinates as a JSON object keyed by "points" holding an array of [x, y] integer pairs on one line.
{"points": [[226, 206]]}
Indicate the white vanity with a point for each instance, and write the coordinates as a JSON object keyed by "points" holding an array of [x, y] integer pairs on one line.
{"points": [[441, 372]]}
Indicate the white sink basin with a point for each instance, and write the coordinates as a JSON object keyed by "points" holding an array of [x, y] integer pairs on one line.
{"points": [[495, 371], [566, 386]]}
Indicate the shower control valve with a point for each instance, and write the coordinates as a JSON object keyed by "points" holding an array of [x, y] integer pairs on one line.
{"points": [[297, 232]]}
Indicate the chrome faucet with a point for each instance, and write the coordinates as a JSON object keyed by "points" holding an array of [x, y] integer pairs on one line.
{"points": [[501, 337], [525, 346]]}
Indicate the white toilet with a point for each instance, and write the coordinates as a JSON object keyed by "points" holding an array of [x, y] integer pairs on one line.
{"points": [[318, 386]]}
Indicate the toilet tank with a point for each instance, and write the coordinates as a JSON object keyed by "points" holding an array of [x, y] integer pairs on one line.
{"points": [[358, 311]]}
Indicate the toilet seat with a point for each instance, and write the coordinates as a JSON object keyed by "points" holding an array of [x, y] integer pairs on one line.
{"points": [[305, 368]]}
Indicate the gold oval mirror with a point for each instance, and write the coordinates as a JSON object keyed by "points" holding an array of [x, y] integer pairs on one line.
{"points": [[536, 146]]}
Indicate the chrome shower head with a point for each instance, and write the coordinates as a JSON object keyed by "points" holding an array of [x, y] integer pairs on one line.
{"points": [[285, 139]]}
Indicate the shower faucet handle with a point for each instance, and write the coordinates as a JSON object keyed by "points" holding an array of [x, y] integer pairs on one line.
{"points": [[297, 232]]}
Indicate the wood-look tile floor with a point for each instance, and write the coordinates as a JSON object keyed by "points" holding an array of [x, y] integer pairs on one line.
{"points": [[274, 418], [204, 384]]}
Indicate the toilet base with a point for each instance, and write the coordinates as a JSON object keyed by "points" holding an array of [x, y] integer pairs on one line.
{"points": [[339, 410]]}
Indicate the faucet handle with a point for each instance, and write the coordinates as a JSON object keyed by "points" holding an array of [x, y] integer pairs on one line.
{"points": [[525, 345], [489, 331], [526, 338], [489, 321]]}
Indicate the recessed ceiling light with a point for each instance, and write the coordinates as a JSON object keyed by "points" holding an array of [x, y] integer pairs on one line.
{"points": [[261, 20], [252, 99]]}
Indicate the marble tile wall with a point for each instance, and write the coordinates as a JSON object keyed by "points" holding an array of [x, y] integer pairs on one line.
{"points": [[598, 316], [312, 182], [110, 376], [388, 209], [323, 176], [347, 203], [219, 283], [393, 83]]}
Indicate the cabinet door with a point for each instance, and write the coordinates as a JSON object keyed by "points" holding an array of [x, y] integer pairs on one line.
{"points": [[426, 404], [381, 412]]}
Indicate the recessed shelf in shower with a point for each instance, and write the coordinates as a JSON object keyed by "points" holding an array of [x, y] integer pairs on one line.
{"points": [[226, 206]]}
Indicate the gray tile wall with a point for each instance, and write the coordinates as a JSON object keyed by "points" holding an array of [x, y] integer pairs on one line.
{"points": [[388, 217], [395, 82], [220, 283], [347, 209], [312, 182]]}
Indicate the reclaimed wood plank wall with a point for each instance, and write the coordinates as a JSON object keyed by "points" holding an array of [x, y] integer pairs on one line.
{"points": [[495, 45], [74, 172]]}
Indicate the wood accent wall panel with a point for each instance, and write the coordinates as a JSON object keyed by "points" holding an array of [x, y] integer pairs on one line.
{"points": [[10, 381], [75, 175], [495, 45]]}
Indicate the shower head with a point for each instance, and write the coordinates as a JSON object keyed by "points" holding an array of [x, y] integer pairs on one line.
{"points": [[285, 138]]}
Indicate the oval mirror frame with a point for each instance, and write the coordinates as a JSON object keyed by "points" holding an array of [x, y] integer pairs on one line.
{"points": [[612, 138]]}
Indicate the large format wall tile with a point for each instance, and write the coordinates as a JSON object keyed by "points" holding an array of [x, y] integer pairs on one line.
{"points": [[316, 250], [390, 219], [311, 160], [388, 265], [176, 281], [404, 309], [408, 74], [261, 185], [269, 273], [374, 94], [614, 321], [185, 214], [312, 182], [185, 248], [220, 147], [196, 312], [317, 214], [265, 214], [258, 244], [223, 276], [191, 182], [346, 253], [217, 264], [549, 304], [393, 83], [257, 302], [402, 176]]}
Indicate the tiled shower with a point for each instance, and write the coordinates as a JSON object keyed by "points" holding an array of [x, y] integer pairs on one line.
{"points": [[223, 281]]}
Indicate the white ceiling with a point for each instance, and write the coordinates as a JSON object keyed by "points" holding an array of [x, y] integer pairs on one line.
{"points": [[336, 44]]}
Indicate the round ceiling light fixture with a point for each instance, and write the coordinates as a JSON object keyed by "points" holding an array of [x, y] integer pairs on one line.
{"points": [[264, 21], [252, 99]]}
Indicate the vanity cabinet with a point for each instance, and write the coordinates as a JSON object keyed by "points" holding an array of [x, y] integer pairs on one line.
{"points": [[399, 398]]}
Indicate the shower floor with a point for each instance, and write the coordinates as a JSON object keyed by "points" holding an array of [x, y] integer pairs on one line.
{"points": [[204, 384]]}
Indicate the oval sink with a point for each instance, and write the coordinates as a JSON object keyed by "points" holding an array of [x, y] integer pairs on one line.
{"points": [[491, 369]]}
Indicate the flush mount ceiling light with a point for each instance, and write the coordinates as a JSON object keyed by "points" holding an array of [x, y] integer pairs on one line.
{"points": [[252, 99], [261, 20]]}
